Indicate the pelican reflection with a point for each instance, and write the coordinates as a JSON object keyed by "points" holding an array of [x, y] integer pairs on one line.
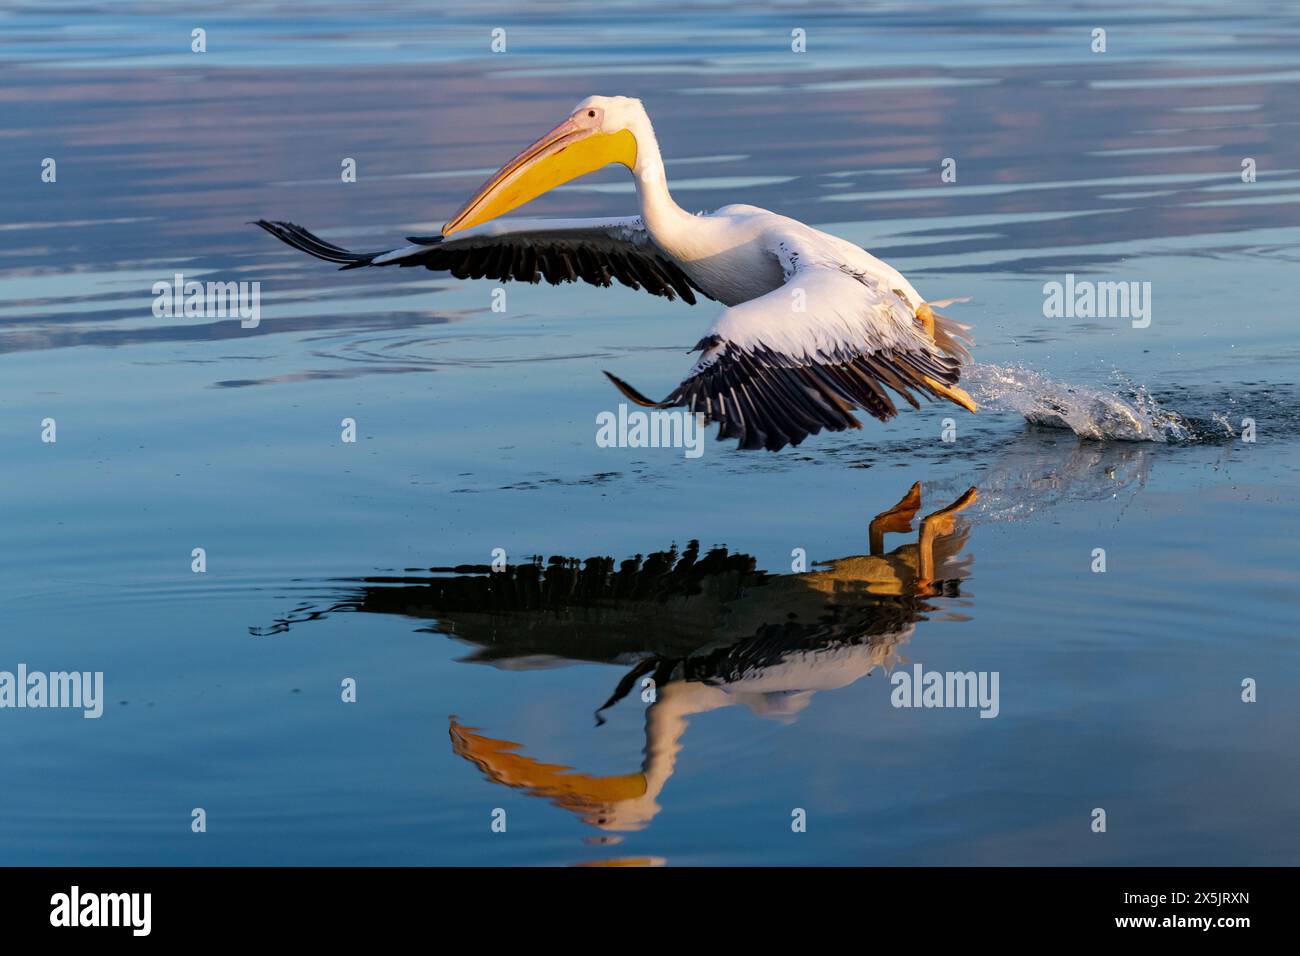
{"points": [[696, 630]]}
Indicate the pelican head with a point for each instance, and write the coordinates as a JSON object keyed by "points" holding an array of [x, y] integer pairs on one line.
{"points": [[598, 132]]}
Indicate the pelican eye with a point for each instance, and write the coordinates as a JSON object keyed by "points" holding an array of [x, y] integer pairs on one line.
{"points": [[591, 113]]}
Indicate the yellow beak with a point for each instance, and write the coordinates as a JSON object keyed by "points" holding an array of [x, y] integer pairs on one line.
{"points": [[566, 152], [582, 793]]}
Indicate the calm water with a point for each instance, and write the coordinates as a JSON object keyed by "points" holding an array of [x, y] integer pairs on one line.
{"points": [[523, 691]]}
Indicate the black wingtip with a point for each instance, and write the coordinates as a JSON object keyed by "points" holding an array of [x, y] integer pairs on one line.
{"points": [[281, 230], [303, 240], [631, 393]]}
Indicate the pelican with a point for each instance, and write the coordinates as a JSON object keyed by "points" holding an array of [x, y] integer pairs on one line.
{"points": [[813, 327]]}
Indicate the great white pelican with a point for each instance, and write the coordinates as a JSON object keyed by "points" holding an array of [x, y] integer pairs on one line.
{"points": [[814, 326]]}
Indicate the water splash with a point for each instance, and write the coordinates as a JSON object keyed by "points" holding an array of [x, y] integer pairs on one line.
{"points": [[1127, 412]]}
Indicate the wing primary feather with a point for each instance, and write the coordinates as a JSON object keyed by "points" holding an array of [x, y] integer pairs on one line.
{"points": [[302, 240], [598, 252], [632, 394]]}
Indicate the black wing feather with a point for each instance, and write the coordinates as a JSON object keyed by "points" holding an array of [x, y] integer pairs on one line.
{"points": [[769, 400], [528, 259]]}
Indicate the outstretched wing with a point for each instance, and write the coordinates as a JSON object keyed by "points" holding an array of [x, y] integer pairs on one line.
{"points": [[784, 366], [598, 251]]}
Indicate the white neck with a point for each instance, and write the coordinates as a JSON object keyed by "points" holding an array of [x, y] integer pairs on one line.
{"points": [[667, 222]]}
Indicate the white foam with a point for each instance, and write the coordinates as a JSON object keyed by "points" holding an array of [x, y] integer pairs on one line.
{"points": [[1128, 413]]}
